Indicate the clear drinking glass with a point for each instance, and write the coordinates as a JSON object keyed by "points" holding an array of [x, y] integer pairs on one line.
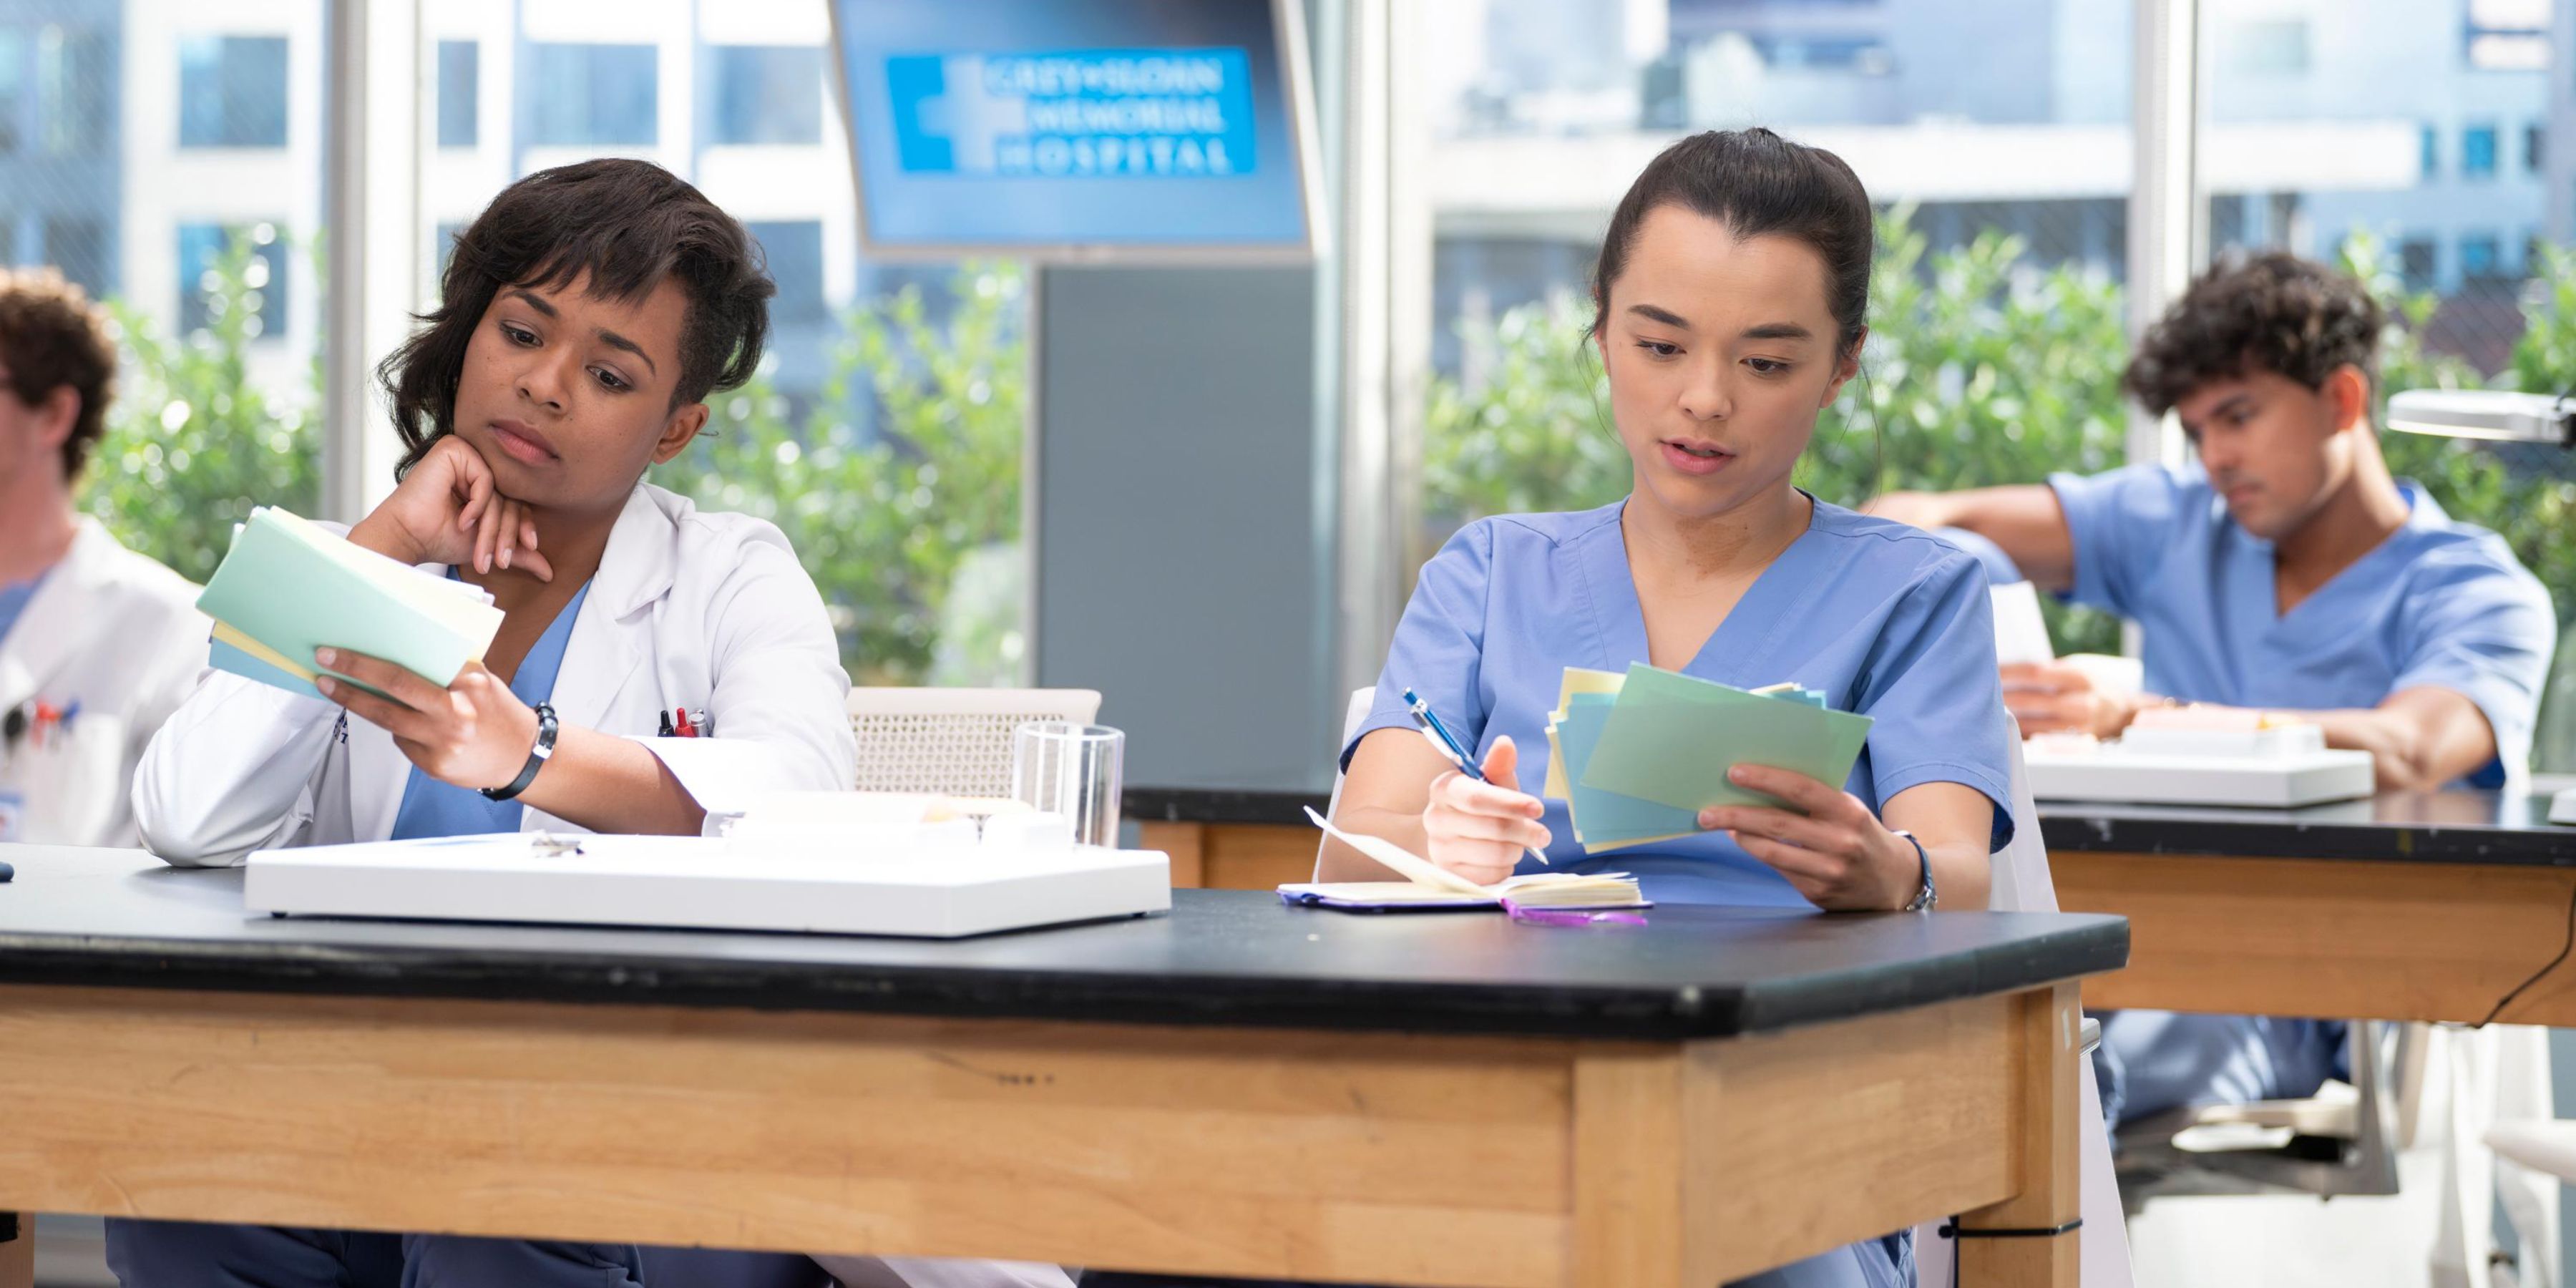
{"points": [[1075, 770]]}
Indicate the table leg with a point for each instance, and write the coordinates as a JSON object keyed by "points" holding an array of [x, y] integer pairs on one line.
{"points": [[2033, 1240], [17, 1249]]}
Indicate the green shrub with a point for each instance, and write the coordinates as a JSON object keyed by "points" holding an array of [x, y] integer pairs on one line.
{"points": [[888, 525], [192, 441]]}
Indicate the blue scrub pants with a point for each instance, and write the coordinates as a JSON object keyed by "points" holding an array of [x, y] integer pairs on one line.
{"points": [[2153, 1061], [1879, 1263], [713, 1268], [182, 1254]]}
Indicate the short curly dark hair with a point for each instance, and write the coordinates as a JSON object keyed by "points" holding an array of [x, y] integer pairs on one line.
{"points": [[52, 336], [2270, 312], [629, 225]]}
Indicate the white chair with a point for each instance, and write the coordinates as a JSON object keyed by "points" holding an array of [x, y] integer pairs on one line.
{"points": [[2521, 1131], [2021, 884], [951, 742]]}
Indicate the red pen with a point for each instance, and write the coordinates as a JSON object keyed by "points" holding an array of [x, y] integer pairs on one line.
{"points": [[686, 729]]}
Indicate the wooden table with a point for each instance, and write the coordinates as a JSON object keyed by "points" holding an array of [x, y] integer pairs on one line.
{"points": [[2409, 906], [1238, 1088]]}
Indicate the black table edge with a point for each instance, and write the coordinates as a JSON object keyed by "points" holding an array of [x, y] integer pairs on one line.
{"points": [[2094, 945]]}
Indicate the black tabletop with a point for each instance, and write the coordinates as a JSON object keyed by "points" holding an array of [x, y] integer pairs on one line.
{"points": [[2419, 827], [120, 919], [2411, 827]]}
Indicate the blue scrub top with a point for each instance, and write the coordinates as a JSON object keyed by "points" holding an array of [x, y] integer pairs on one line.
{"points": [[1888, 620], [2438, 603], [433, 808], [13, 600]]}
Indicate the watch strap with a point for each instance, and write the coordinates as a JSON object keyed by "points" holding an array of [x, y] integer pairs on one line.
{"points": [[537, 757], [1926, 895]]}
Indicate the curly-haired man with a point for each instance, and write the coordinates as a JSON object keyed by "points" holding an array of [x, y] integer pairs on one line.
{"points": [[98, 644], [2284, 570]]}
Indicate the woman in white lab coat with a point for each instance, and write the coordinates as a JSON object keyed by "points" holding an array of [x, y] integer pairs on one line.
{"points": [[97, 643], [587, 314]]}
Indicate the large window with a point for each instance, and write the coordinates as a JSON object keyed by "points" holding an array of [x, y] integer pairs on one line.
{"points": [[14, 99], [795, 253], [232, 92], [77, 244], [765, 94], [885, 430], [460, 84], [1992, 137], [591, 95], [2478, 152], [71, 65], [232, 267], [166, 156]]}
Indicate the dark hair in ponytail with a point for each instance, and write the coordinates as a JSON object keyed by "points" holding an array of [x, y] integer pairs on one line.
{"points": [[1755, 182]]}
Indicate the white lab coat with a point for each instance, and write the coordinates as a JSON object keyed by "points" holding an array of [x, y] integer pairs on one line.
{"points": [[705, 611], [119, 634]]}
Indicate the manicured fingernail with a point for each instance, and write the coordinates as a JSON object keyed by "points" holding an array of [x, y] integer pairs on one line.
{"points": [[327, 657], [505, 556], [325, 683]]}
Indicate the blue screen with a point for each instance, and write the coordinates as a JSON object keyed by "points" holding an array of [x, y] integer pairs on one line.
{"points": [[1022, 123]]}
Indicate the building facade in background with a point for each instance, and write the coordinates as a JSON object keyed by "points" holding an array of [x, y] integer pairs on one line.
{"points": [[2423, 122], [139, 137]]}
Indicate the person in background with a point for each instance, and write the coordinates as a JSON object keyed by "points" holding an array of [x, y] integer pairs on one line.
{"points": [[98, 644], [2283, 570]]}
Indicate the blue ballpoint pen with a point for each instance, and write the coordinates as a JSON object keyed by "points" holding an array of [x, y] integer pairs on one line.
{"points": [[1451, 747]]}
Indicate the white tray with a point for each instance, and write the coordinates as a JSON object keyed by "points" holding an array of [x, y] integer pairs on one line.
{"points": [[709, 883], [2113, 774]]}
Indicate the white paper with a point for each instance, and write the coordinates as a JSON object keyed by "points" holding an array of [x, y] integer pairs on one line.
{"points": [[1403, 862], [2021, 634]]}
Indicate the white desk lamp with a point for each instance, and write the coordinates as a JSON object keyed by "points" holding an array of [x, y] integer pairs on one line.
{"points": [[2497, 417]]}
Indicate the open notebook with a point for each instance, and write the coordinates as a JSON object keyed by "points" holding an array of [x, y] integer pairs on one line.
{"points": [[1427, 885]]}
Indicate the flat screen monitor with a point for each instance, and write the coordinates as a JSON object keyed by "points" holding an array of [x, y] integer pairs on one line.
{"points": [[1080, 130]]}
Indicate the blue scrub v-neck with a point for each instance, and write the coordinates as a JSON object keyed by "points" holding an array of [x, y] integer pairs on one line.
{"points": [[1768, 608], [1885, 620], [433, 808]]}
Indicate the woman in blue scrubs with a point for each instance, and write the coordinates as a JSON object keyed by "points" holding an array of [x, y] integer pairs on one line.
{"points": [[1730, 293]]}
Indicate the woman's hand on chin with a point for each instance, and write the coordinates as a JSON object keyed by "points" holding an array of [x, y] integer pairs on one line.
{"points": [[448, 510]]}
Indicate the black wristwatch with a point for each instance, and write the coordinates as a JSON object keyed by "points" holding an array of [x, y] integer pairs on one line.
{"points": [[1929, 895], [536, 758]]}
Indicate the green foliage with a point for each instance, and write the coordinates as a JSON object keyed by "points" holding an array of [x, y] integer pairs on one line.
{"points": [[1983, 369], [192, 441], [2523, 498], [890, 526], [1978, 370], [912, 535]]}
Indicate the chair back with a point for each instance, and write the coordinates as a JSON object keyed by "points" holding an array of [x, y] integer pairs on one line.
{"points": [[1352, 714], [951, 742], [2021, 883]]}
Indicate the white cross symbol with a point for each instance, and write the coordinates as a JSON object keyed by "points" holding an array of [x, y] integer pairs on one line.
{"points": [[969, 118]]}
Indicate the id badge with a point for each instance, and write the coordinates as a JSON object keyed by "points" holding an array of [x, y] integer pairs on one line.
{"points": [[13, 816]]}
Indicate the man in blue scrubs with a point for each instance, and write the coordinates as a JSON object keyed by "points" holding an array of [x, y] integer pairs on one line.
{"points": [[2285, 570]]}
